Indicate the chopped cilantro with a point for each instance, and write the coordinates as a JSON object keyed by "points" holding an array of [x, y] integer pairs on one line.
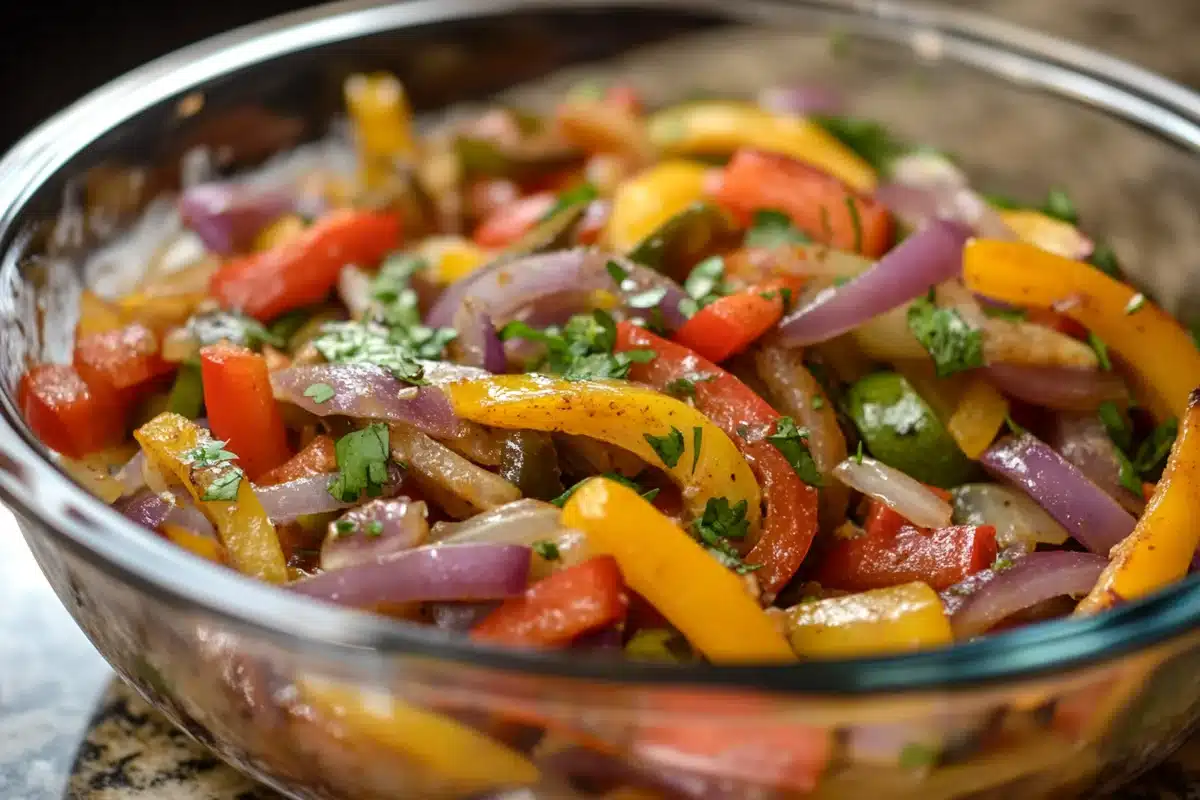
{"points": [[1060, 206], [1126, 472], [225, 485], [224, 478], [1148, 461], [669, 448], [1003, 201], [852, 208], [697, 440], [344, 527], [917, 755], [721, 521], [792, 443], [374, 528], [1152, 455], [858, 454], [648, 496], [575, 196], [1114, 423], [362, 458], [215, 326], [1003, 561], [1101, 349], [319, 393], [785, 299], [684, 387], [363, 343], [650, 298], [546, 549], [583, 349], [729, 559], [1016, 429], [1010, 314], [818, 402], [870, 140], [285, 327], [704, 284], [652, 644], [209, 454], [771, 228], [1135, 304], [841, 280], [1104, 259], [952, 344], [396, 307]]}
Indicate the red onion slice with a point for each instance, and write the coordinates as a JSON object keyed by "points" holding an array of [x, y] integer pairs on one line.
{"points": [[907, 496], [145, 508], [477, 341], [374, 531], [131, 476], [368, 392], [1083, 508], [285, 502], [1082, 439], [228, 216], [452, 572], [1030, 580], [802, 100], [1059, 388], [186, 515], [505, 288], [923, 260], [947, 195]]}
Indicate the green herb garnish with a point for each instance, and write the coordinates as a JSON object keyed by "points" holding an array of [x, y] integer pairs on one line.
{"points": [[344, 527], [1003, 561], [858, 454], [374, 528], [771, 228], [669, 448], [362, 458], [818, 402], [583, 349], [792, 442], [367, 343], [1104, 258], [1101, 349], [697, 440], [225, 485], [648, 495], [721, 521], [852, 208], [319, 393], [211, 327], [575, 196], [210, 454], [704, 284], [953, 345], [546, 549], [1060, 206], [870, 140], [1135, 304], [1010, 314], [1152, 455], [1114, 423]]}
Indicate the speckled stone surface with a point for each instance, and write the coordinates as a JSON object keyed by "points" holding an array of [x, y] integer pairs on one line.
{"points": [[67, 730]]}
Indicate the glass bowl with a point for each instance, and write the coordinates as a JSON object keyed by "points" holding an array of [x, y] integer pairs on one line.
{"points": [[319, 701]]}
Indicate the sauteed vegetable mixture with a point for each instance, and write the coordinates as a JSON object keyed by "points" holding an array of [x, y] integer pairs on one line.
{"points": [[725, 381]]}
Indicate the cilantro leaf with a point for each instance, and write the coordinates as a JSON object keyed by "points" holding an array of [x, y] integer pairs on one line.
{"points": [[648, 496], [546, 549], [1101, 349], [319, 393], [362, 458], [729, 559], [209, 454], [583, 350], [1126, 472], [396, 307], [221, 479], [1152, 455], [1114, 423], [792, 443], [215, 326], [374, 528], [225, 485], [721, 521], [684, 386], [697, 440], [575, 196], [650, 298], [669, 448], [1104, 259], [856, 221], [870, 140], [704, 284], [858, 454], [364, 343], [1010, 314], [1060, 206], [952, 344], [771, 228]]}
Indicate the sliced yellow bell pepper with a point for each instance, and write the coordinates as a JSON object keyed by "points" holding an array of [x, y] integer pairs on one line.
{"points": [[622, 414], [1160, 549], [1156, 347], [203, 546], [1048, 233], [646, 201], [159, 312], [281, 231], [977, 418], [704, 600], [882, 621], [170, 442], [96, 315], [378, 107], [720, 127], [452, 257], [454, 754]]}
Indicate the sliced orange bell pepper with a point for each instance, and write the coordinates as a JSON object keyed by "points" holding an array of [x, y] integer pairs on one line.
{"points": [[301, 271], [509, 223], [730, 324], [720, 127], [241, 408], [96, 315], [626, 415], [1154, 344], [378, 107], [557, 609], [894, 619], [123, 360], [319, 457], [818, 204], [68, 415], [977, 418], [1160, 549], [203, 546], [791, 519], [698, 595], [172, 444]]}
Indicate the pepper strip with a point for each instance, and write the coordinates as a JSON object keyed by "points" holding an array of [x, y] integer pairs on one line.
{"points": [[1160, 549], [242, 524], [622, 414], [704, 600], [896, 619], [1156, 347], [791, 519]]}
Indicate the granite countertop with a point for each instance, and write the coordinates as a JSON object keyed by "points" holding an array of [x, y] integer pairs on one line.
{"points": [[52, 683]]}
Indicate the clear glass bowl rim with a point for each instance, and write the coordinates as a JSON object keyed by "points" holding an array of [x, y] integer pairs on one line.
{"points": [[120, 548]]}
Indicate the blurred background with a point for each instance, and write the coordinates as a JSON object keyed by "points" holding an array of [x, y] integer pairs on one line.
{"points": [[57, 51]]}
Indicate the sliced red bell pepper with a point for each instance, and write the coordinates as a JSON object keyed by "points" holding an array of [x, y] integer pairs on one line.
{"points": [[818, 204], [1059, 322], [123, 360], [301, 271], [241, 408], [730, 324], [510, 222], [557, 609], [317, 458], [884, 557], [67, 414], [791, 519]]}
